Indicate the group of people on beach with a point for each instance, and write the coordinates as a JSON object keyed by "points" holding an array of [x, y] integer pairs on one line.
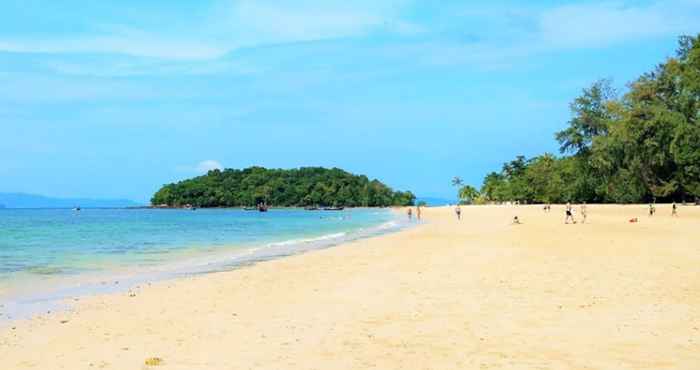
{"points": [[410, 213], [568, 211], [674, 209]]}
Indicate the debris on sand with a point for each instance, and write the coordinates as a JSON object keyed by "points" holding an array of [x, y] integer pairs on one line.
{"points": [[154, 361]]}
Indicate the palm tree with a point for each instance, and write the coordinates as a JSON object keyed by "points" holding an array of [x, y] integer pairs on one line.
{"points": [[457, 181], [468, 194]]}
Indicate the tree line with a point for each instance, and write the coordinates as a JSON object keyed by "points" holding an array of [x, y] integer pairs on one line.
{"points": [[638, 147], [307, 186]]}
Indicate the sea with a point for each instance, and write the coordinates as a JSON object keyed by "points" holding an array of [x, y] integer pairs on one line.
{"points": [[51, 256]]}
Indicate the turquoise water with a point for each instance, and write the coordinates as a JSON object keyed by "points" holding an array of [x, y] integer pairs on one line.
{"points": [[51, 253]]}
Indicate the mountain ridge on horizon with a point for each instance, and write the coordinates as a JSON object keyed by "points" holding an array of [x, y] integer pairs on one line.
{"points": [[24, 200]]}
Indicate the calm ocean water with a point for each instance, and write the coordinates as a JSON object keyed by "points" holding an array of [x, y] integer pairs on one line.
{"points": [[54, 254]]}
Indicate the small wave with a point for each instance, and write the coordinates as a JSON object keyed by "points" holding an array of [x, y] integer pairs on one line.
{"points": [[308, 240], [387, 225], [45, 270]]}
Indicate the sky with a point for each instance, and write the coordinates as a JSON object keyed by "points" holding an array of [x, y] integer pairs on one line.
{"points": [[112, 99]]}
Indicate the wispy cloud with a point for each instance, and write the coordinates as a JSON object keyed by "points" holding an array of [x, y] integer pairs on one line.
{"points": [[202, 167], [495, 37], [264, 22], [228, 26], [484, 36], [141, 45], [603, 24], [208, 165]]}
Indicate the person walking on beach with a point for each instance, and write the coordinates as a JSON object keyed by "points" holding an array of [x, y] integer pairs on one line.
{"points": [[652, 209], [569, 214], [674, 210], [458, 211], [584, 212], [410, 213], [418, 212]]}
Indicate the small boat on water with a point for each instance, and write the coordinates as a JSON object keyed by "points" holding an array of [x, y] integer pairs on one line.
{"points": [[311, 208], [261, 207], [333, 208]]}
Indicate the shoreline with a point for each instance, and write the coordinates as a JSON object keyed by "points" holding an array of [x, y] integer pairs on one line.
{"points": [[57, 293], [443, 294]]}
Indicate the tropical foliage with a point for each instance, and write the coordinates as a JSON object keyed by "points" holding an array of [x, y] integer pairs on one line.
{"points": [[296, 187], [468, 194], [641, 146]]}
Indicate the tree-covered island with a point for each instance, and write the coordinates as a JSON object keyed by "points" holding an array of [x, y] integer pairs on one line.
{"points": [[306, 186]]}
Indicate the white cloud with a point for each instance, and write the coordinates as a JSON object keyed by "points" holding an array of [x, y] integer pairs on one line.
{"points": [[208, 165], [479, 34], [147, 46], [602, 24], [227, 27], [505, 36], [291, 22], [201, 168]]}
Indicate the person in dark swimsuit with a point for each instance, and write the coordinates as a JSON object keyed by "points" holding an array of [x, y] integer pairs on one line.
{"points": [[569, 214]]}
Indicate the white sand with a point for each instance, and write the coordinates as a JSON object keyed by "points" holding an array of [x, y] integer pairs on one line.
{"points": [[478, 294]]}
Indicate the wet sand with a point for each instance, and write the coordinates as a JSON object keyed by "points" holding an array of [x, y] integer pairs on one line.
{"points": [[475, 294]]}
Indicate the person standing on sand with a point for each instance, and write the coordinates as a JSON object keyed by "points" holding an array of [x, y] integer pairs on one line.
{"points": [[674, 210], [458, 211], [418, 212], [569, 214], [410, 213], [652, 209], [584, 212]]}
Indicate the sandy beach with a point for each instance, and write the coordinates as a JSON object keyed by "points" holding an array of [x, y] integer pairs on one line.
{"points": [[480, 293]]}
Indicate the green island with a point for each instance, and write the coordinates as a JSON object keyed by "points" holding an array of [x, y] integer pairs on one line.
{"points": [[306, 186], [639, 147]]}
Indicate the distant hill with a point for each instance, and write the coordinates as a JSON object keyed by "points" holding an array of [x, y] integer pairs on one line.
{"points": [[21, 200], [435, 202]]}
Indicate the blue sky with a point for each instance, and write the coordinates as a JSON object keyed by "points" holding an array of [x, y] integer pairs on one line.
{"points": [[114, 99]]}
